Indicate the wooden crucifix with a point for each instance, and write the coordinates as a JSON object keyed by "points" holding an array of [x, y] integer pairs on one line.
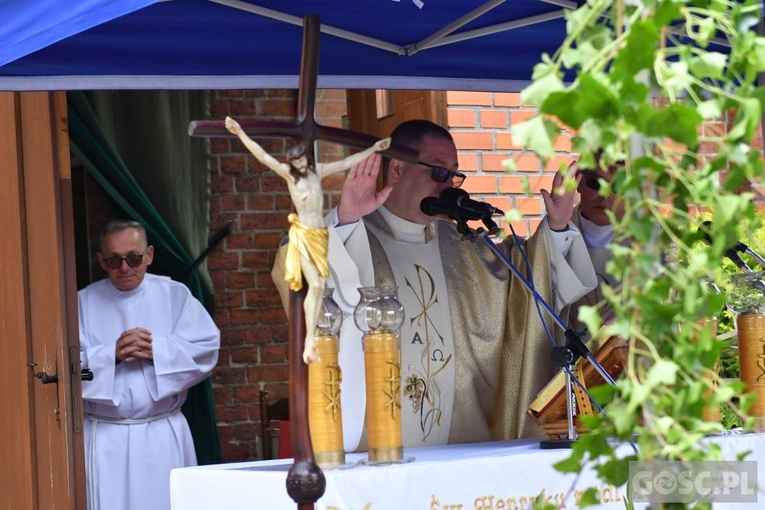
{"points": [[305, 481]]}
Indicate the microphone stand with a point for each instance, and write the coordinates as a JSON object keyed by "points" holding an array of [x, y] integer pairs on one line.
{"points": [[562, 357], [756, 256], [742, 248]]}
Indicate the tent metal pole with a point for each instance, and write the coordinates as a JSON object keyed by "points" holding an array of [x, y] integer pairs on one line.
{"points": [[502, 27], [566, 4], [451, 27], [294, 20]]}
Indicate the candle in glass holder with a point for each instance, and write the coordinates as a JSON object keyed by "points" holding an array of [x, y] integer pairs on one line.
{"points": [[324, 377], [750, 328], [380, 315], [747, 300]]}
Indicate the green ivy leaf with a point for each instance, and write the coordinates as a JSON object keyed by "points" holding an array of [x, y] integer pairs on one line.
{"points": [[513, 215], [509, 165], [706, 30], [548, 81], [678, 122], [562, 105], [526, 185], [594, 443], [710, 109], [642, 229], [593, 38], [539, 503], [620, 327], [591, 100], [678, 78], [639, 51], [729, 207], [614, 471], [625, 421], [663, 372], [758, 54], [747, 120], [569, 465], [590, 316], [589, 497], [708, 65], [536, 134], [666, 13], [590, 421], [603, 394]]}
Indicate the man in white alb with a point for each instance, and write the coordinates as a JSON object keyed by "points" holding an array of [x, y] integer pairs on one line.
{"points": [[147, 340], [473, 348]]}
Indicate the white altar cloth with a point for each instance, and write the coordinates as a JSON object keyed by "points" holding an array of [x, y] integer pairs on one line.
{"points": [[500, 475]]}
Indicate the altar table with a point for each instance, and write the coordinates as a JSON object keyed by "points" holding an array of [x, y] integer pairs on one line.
{"points": [[500, 475]]}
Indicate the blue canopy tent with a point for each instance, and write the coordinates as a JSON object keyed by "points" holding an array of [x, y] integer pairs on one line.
{"points": [[205, 44]]}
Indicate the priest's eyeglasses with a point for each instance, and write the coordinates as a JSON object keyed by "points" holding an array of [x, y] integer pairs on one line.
{"points": [[441, 174], [132, 259]]}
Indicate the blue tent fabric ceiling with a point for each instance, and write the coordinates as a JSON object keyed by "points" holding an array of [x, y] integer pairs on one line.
{"points": [[28, 26], [207, 44]]}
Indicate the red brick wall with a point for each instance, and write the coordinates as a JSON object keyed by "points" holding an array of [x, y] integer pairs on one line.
{"points": [[480, 123]]}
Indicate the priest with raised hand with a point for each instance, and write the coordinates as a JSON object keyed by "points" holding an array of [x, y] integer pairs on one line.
{"points": [[147, 341], [474, 351]]}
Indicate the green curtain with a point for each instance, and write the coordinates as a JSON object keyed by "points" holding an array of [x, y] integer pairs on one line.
{"points": [[135, 145]]}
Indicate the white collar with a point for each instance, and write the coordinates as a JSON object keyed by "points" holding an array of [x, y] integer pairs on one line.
{"points": [[595, 236], [407, 231]]}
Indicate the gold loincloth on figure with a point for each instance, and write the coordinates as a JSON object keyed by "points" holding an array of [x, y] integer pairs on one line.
{"points": [[309, 242]]}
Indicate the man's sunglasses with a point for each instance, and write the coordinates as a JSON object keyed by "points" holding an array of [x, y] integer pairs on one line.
{"points": [[132, 259], [592, 180], [441, 174]]}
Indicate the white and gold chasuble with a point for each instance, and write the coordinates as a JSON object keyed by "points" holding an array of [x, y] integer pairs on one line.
{"points": [[427, 347]]}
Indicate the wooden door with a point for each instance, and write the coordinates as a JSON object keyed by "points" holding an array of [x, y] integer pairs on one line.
{"points": [[41, 443], [378, 112]]}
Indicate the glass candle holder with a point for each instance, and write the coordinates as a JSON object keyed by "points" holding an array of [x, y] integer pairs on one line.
{"points": [[324, 377], [379, 315], [747, 293]]}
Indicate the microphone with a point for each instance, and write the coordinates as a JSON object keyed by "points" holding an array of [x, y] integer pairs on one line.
{"points": [[742, 248], [737, 260], [433, 206], [731, 253], [461, 199]]}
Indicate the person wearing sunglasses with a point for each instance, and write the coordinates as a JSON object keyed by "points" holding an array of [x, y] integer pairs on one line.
{"points": [[594, 205], [147, 340], [598, 202], [473, 351]]}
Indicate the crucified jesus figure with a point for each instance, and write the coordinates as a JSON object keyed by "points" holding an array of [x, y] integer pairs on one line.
{"points": [[308, 238]]}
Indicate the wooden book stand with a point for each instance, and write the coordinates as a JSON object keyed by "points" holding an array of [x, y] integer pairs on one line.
{"points": [[549, 408]]}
